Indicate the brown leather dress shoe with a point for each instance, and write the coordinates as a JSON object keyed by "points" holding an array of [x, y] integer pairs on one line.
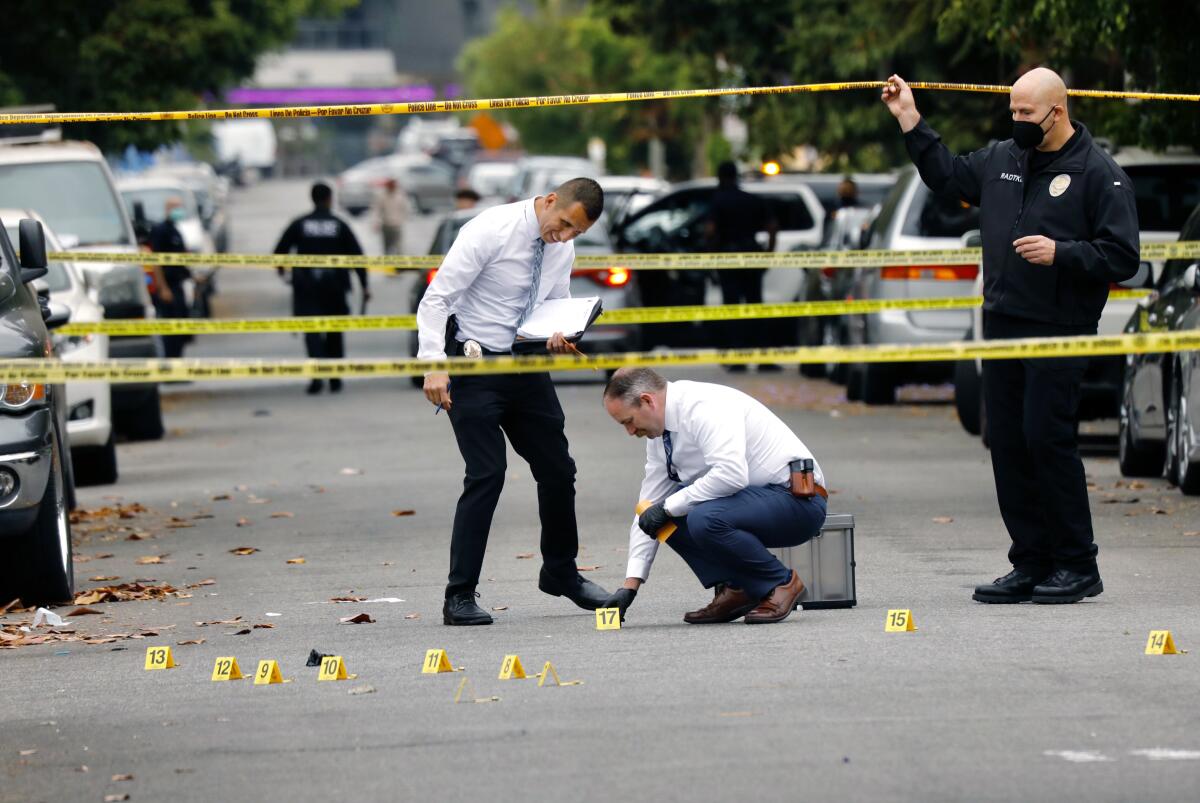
{"points": [[779, 605], [728, 604]]}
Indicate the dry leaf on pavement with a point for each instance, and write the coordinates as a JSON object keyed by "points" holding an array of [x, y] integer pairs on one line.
{"points": [[360, 619], [412, 616], [104, 578], [123, 777], [943, 519], [404, 512], [146, 560], [221, 498], [499, 607], [29, 752], [588, 568], [235, 620], [191, 641], [115, 798], [264, 626], [351, 472], [83, 610], [243, 632], [244, 550], [296, 560], [524, 555], [347, 599], [244, 522], [207, 582], [124, 593], [283, 514]]}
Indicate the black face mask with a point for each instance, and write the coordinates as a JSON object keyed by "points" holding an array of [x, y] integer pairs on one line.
{"points": [[1029, 135]]}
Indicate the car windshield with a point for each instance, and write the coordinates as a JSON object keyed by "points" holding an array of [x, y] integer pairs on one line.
{"points": [[1165, 194], [56, 277], [154, 201], [89, 211], [939, 216]]}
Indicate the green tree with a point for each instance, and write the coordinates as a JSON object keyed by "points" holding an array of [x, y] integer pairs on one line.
{"points": [[139, 55], [565, 49]]}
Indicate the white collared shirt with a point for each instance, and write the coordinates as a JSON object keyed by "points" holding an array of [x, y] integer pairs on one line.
{"points": [[722, 441], [484, 280]]}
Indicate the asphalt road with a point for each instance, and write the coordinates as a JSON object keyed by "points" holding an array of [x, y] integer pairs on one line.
{"points": [[980, 703]]}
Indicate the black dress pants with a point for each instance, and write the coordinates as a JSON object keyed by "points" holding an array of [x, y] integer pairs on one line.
{"points": [[742, 286], [524, 407], [1032, 421], [314, 301]]}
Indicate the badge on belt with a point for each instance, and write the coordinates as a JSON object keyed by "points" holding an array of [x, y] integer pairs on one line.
{"points": [[472, 349]]}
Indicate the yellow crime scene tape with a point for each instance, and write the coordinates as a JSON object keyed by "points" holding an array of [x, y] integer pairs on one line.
{"points": [[876, 258], [543, 101], [132, 371], [624, 315]]}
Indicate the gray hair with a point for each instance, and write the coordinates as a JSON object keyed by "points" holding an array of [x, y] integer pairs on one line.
{"points": [[628, 384]]}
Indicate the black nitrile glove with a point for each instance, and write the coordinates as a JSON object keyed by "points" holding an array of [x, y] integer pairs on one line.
{"points": [[621, 598], [653, 519]]}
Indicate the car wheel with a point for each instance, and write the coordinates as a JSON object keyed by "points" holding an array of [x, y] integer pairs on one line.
{"points": [[1181, 470], [854, 373], [144, 423], [96, 465], [48, 576], [1134, 458], [968, 396], [878, 384]]}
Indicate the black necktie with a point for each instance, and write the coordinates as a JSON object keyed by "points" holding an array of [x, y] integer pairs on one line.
{"points": [[674, 475]]}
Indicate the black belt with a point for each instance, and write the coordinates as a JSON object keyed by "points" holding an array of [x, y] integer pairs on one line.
{"points": [[458, 351]]}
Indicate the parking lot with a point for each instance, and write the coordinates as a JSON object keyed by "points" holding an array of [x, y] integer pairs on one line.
{"points": [[980, 702]]}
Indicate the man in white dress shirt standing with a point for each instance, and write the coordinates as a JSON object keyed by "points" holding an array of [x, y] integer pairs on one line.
{"points": [[718, 467], [503, 263]]}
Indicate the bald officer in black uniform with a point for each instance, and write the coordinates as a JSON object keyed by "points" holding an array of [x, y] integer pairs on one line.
{"points": [[322, 291], [1059, 225]]}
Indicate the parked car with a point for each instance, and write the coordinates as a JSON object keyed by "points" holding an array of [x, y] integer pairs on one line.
{"points": [[625, 195], [70, 186], [533, 173], [615, 286], [35, 475], [148, 195], [910, 218], [88, 402], [212, 196], [677, 223], [872, 189], [1159, 415], [428, 182], [491, 179]]}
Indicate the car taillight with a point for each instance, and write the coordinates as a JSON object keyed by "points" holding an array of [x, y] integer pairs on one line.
{"points": [[429, 274], [606, 277], [942, 272]]}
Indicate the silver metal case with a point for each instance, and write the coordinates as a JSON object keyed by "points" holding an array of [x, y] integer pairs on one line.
{"points": [[825, 564]]}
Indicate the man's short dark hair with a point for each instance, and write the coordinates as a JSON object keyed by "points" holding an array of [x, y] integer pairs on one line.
{"points": [[727, 173], [584, 191], [321, 193], [467, 194], [628, 384]]}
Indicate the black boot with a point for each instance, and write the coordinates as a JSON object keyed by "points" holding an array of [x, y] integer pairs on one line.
{"points": [[460, 609], [1068, 586], [584, 593], [1016, 586]]}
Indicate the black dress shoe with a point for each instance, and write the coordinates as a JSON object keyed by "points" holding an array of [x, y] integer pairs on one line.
{"points": [[335, 386], [314, 387], [584, 593], [460, 609], [1016, 586], [1068, 586]]}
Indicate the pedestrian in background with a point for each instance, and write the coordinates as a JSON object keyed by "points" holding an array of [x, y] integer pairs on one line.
{"points": [[322, 291], [735, 219], [170, 298], [1059, 225], [466, 198], [390, 209]]}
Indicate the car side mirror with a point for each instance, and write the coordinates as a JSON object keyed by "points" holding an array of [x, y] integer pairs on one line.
{"points": [[1139, 279], [33, 250], [1191, 277], [55, 314]]}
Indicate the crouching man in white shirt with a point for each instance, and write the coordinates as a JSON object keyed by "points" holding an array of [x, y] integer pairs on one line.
{"points": [[718, 467]]}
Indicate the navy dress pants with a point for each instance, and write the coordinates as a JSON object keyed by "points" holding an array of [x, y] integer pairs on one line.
{"points": [[727, 540]]}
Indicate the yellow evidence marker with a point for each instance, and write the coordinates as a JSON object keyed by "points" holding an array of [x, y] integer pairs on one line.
{"points": [[667, 529], [1161, 643], [267, 673], [608, 618], [465, 686], [899, 621], [226, 668], [548, 671], [333, 668], [160, 658], [511, 669], [436, 661]]}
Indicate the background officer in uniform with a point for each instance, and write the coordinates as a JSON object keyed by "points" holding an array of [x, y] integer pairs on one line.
{"points": [[1059, 225], [504, 262], [170, 300], [734, 221], [718, 466], [322, 291]]}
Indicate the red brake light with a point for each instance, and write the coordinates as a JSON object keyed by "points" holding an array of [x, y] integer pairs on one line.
{"points": [[606, 277], [941, 272], [429, 274]]}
